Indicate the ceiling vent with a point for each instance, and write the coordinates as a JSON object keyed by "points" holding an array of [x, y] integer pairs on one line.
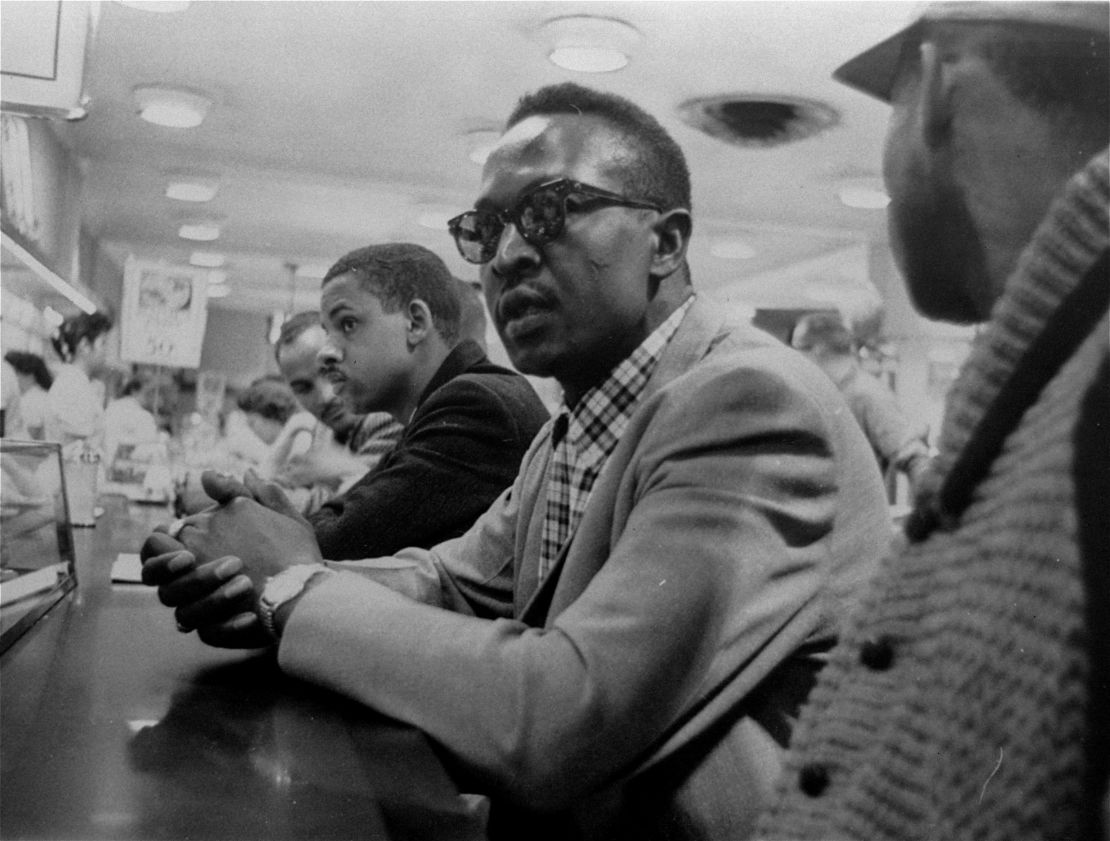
{"points": [[758, 120]]}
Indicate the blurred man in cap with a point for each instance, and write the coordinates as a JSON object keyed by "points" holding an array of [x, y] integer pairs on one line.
{"points": [[970, 697]]}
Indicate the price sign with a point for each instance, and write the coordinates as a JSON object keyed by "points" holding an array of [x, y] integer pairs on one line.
{"points": [[164, 314]]}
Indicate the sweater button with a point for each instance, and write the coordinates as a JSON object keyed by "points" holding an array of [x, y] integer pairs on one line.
{"points": [[813, 779], [877, 654]]}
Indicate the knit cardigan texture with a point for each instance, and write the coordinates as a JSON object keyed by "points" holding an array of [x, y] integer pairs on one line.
{"points": [[959, 703]]}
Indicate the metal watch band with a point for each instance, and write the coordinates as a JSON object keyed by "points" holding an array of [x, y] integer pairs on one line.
{"points": [[281, 588]]}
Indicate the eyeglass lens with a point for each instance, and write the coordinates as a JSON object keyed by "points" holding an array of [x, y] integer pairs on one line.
{"points": [[539, 216]]}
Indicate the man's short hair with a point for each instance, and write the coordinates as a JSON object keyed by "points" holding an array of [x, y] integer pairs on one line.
{"points": [[655, 169], [825, 330], [293, 328], [399, 273]]}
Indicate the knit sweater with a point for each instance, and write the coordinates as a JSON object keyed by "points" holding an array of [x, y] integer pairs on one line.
{"points": [[959, 705]]}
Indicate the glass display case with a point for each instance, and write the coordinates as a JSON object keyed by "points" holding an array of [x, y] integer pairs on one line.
{"points": [[36, 537]]}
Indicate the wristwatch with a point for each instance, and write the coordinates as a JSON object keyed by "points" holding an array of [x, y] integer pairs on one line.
{"points": [[280, 588]]}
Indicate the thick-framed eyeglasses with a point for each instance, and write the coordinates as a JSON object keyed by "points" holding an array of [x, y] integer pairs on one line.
{"points": [[540, 215]]}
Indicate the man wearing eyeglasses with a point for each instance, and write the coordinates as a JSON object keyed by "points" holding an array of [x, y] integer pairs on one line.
{"points": [[618, 646]]}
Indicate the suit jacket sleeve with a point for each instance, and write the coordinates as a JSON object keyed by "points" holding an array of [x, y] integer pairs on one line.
{"points": [[711, 538], [461, 449]]}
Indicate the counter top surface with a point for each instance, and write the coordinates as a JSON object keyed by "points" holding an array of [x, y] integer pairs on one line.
{"points": [[115, 725]]}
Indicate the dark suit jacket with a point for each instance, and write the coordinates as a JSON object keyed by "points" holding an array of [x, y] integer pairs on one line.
{"points": [[462, 448]]}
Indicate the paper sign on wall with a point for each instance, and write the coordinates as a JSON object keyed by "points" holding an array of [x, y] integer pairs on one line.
{"points": [[164, 314]]}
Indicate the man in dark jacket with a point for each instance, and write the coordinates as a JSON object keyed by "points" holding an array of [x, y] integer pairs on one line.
{"points": [[392, 315]]}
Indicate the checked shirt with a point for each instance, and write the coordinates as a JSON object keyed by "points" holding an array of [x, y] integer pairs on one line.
{"points": [[583, 437]]}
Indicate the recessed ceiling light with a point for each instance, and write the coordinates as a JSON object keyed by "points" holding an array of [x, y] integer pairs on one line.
{"points": [[199, 231], [206, 259], [435, 216], [312, 271], [163, 6], [192, 189], [866, 194], [731, 249], [589, 44], [172, 107], [479, 143], [588, 59]]}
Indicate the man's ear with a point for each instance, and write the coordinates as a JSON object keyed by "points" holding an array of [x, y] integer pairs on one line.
{"points": [[421, 325], [936, 96], [671, 237]]}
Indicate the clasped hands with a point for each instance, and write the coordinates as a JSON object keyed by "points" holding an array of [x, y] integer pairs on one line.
{"points": [[213, 570]]}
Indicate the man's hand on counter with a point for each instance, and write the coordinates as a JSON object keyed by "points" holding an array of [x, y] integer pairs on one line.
{"points": [[215, 565]]}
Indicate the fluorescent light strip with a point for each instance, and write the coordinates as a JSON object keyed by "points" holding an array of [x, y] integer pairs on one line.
{"points": [[46, 274]]}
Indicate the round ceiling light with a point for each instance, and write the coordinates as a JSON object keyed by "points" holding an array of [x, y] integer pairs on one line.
{"points": [[207, 259], [199, 231], [172, 107], [866, 194], [731, 249], [192, 188], [480, 142], [589, 44], [163, 6]]}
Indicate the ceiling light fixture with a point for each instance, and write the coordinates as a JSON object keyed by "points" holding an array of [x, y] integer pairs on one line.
{"points": [[731, 249], [479, 144], [866, 194], [589, 44], [207, 259], [435, 216], [192, 189], [173, 107], [312, 271], [199, 231], [163, 6]]}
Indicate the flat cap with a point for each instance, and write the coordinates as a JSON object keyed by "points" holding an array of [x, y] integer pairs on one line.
{"points": [[873, 70]]}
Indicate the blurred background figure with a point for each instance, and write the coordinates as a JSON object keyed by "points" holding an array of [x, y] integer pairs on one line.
{"points": [[11, 426], [128, 417], [275, 416], [472, 316], [34, 380], [75, 407], [899, 444]]}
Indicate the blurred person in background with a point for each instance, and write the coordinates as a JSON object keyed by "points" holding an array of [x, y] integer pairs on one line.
{"points": [[75, 407], [274, 415], [472, 319], [899, 444], [970, 696], [127, 419], [34, 380], [11, 424]]}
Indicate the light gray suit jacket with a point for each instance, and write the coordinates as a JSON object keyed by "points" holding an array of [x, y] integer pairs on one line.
{"points": [[648, 682]]}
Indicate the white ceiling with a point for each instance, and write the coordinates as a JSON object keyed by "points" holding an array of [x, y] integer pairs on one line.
{"points": [[337, 124]]}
